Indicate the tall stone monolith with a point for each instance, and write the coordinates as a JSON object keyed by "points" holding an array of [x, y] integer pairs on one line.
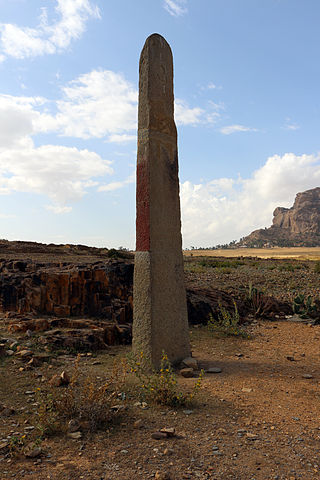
{"points": [[160, 321]]}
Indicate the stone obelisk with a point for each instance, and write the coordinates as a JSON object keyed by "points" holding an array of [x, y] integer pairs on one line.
{"points": [[160, 321]]}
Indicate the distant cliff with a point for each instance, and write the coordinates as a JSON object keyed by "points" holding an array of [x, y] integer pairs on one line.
{"points": [[298, 226]]}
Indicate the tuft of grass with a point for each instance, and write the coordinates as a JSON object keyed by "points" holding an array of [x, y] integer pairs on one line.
{"points": [[160, 387], [86, 400], [259, 302], [194, 267], [221, 263], [227, 323], [317, 267]]}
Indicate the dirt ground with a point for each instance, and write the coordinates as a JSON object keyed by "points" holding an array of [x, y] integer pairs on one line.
{"points": [[257, 419], [301, 253]]}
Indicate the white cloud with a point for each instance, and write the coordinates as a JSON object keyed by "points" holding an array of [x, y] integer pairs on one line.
{"points": [[211, 86], [289, 125], [184, 115], [111, 187], [103, 103], [97, 104], [48, 37], [176, 8], [228, 130], [20, 118], [226, 209], [61, 173], [58, 210], [115, 138]]}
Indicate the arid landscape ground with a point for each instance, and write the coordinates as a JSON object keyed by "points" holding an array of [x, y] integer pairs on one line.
{"points": [[258, 418]]}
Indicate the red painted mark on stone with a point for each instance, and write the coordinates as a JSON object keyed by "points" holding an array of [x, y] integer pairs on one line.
{"points": [[143, 207]]}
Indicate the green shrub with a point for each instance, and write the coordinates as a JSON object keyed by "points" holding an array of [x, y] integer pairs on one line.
{"points": [[227, 323], [84, 399], [304, 307], [221, 263], [317, 267], [160, 387]]}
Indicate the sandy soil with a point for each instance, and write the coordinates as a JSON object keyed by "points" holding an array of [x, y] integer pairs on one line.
{"points": [[257, 419]]}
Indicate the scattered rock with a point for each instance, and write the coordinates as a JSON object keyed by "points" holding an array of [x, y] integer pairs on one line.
{"points": [[138, 424], [73, 425], [246, 390], [75, 435], [168, 451], [187, 412], [159, 435], [3, 446], [307, 375], [187, 372], [65, 379], [55, 381], [214, 370], [24, 353], [162, 476], [58, 380], [290, 358], [6, 411], [190, 363], [142, 405], [170, 432], [33, 363], [32, 450]]}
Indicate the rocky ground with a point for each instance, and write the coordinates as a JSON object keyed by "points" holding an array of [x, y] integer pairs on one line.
{"points": [[258, 418], [281, 278]]}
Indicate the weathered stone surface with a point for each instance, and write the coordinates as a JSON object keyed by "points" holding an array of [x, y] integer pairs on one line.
{"points": [[187, 372], [214, 370], [98, 290], [190, 363], [160, 311], [295, 226]]}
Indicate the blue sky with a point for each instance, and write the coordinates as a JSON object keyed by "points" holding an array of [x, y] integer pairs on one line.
{"points": [[247, 111]]}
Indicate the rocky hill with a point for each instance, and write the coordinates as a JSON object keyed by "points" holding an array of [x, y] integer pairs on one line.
{"points": [[298, 226]]}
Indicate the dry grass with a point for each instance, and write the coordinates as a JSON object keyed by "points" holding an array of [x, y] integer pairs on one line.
{"points": [[301, 253]]}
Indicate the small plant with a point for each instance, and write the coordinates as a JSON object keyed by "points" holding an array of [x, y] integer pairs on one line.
{"points": [[224, 270], [260, 303], [221, 263], [88, 401], [113, 253], [304, 307], [228, 323], [48, 416], [120, 253], [16, 444], [287, 267], [317, 267], [160, 387]]}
